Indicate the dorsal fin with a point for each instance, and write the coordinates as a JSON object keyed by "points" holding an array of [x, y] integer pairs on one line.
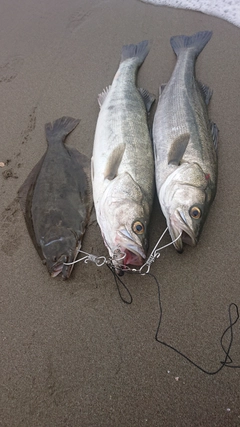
{"points": [[102, 96]]}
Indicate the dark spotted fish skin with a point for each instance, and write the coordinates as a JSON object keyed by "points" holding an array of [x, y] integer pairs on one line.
{"points": [[56, 199]]}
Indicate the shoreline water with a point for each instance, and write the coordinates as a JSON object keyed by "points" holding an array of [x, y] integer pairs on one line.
{"points": [[223, 9]]}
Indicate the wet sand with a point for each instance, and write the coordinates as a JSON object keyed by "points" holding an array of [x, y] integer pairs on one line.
{"points": [[72, 353]]}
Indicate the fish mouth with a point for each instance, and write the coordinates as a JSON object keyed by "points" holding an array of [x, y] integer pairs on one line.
{"points": [[60, 267], [132, 258], [128, 251], [56, 270], [181, 231]]}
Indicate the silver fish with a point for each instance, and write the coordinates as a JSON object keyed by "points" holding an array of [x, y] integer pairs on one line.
{"points": [[185, 145], [122, 162], [56, 200]]}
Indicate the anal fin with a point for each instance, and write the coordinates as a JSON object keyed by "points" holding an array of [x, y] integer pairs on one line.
{"points": [[206, 92], [148, 98], [215, 131]]}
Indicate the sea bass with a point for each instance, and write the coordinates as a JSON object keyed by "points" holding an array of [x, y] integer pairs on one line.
{"points": [[185, 145], [122, 162], [56, 199]]}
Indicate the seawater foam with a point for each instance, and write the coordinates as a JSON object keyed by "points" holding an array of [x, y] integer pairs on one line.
{"points": [[225, 9]]}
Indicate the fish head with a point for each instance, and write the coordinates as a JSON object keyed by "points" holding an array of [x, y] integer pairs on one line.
{"points": [[128, 244], [185, 199], [59, 250], [131, 242], [125, 235], [123, 219]]}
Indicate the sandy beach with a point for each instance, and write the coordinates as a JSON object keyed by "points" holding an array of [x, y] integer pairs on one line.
{"points": [[72, 353]]}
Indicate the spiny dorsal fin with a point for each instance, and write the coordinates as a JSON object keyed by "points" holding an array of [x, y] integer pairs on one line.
{"points": [[178, 148], [102, 96], [114, 161]]}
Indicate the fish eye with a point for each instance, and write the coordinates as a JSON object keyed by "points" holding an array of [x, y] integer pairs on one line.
{"points": [[195, 212], [138, 227]]}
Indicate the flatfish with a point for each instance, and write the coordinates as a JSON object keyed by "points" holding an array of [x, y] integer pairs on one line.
{"points": [[56, 199]]}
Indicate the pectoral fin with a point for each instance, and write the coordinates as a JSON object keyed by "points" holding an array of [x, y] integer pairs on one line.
{"points": [[178, 149], [114, 161]]}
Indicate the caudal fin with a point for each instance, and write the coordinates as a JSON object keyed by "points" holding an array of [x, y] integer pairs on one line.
{"points": [[196, 42], [60, 128], [138, 51]]}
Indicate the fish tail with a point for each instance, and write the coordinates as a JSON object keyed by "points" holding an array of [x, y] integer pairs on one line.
{"points": [[196, 42], [138, 51], [60, 128]]}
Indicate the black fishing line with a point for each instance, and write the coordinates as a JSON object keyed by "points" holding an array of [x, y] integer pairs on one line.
{"points": [[233, 314], [119, 281], [227, 361]]}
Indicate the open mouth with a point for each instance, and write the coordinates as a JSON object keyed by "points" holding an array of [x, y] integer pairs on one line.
{"points": [[61, 267], [64, 264], [56, 270], [123, 257], [179, 226], [132, 258], [133, 253], [126, 258], [189, 240]]}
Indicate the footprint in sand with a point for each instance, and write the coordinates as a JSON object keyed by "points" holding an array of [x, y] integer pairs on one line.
{"points": [[26, 133], [10, 218], [77, 19], [10, 69]]}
